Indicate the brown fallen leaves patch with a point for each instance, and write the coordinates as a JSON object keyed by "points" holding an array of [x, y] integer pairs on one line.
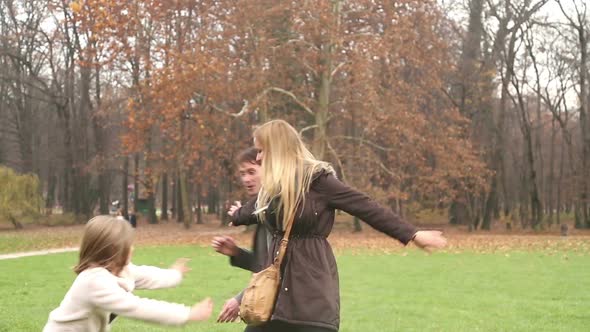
{"points": [[341, 239]]}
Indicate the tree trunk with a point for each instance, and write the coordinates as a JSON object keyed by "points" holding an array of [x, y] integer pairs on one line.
{"points": [[51, 187], [582, 215], [136, 181], [584, 119], [151, 201], [491, 202], [178, 207], [199, 205], [357, 225], [104, 181], [551, 181], [68, 172], [150, 183], [324, 86], [125, 184], [164, 215], [559, 182], [212, 200], [536, 205], [186, 206], [104, 190], [459, 213], [174, 197], [16, 223], [350, 162], [539, 158]]}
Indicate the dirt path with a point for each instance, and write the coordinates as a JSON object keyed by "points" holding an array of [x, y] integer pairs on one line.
{"points": [[36, 253], [50, 240], [205, 234]]}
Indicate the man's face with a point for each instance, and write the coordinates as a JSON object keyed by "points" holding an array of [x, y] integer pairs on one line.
{"points": [[250, 177]]}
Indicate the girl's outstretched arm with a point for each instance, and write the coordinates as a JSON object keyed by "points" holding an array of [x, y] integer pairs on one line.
{"points": [[151, 277], [104, 291]]}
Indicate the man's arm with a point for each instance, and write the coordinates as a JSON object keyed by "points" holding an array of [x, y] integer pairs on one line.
{"points": [[239, 257], [245, 259], [244, 215]]}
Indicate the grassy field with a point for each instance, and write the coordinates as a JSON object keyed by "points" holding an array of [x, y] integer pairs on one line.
{"points": [[407, 290]]}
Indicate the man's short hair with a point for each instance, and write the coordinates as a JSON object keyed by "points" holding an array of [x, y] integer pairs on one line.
{"points": [[247, 156]]}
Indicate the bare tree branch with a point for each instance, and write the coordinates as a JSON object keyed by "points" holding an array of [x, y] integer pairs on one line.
{"points": [[292, 95], [307, 128], [387, 170], [336, 69], [243, 111], [246, 109], [364, 141], [337, 157]]}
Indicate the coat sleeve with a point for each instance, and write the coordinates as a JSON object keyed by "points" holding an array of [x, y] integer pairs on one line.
{"points": [[245, 215], [244, 259], [106, 294], [239, 297], [342, 197], [151, 277]]}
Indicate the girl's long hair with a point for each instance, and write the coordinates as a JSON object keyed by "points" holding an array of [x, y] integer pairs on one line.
{"points": [[287, 168], [106, 243]]}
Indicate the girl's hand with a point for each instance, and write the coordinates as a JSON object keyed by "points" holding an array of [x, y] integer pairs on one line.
{"points": [[180, 265], [202, 310]]}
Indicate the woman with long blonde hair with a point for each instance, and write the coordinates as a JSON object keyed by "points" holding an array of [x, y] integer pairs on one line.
{"points": [[296, 186]]}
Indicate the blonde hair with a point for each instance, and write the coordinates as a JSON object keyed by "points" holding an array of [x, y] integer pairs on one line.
{"points": [[287, 168], [106, 243]]}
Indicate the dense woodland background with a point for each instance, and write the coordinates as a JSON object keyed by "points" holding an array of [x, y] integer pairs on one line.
{"points": [[478, 108]]}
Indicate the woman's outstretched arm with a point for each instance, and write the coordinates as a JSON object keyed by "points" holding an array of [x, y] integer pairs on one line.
{"points": [[340, 196]]}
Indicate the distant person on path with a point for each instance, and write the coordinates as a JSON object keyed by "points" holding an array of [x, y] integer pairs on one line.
{"points": [[133, 218]]}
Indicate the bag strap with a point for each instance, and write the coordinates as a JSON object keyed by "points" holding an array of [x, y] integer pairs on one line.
{"points": [[283, 245]]}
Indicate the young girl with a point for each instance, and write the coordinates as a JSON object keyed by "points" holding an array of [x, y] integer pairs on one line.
{"points": [[106, 279]]}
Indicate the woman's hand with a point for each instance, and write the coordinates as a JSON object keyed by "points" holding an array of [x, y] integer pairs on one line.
{"points": [[429, 240]]}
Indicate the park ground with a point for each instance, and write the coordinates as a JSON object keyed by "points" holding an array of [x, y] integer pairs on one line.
{"points": [[483, 281]]}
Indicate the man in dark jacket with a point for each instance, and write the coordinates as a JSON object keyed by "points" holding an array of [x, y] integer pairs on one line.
{"points": [[249, 171]]}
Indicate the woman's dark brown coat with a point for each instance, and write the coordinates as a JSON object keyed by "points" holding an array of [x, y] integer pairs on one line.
{"points": [[309, 293]]}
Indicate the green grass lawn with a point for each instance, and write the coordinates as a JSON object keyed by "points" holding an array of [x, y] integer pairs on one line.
{"points": [[16, 242], [518, 291]]}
